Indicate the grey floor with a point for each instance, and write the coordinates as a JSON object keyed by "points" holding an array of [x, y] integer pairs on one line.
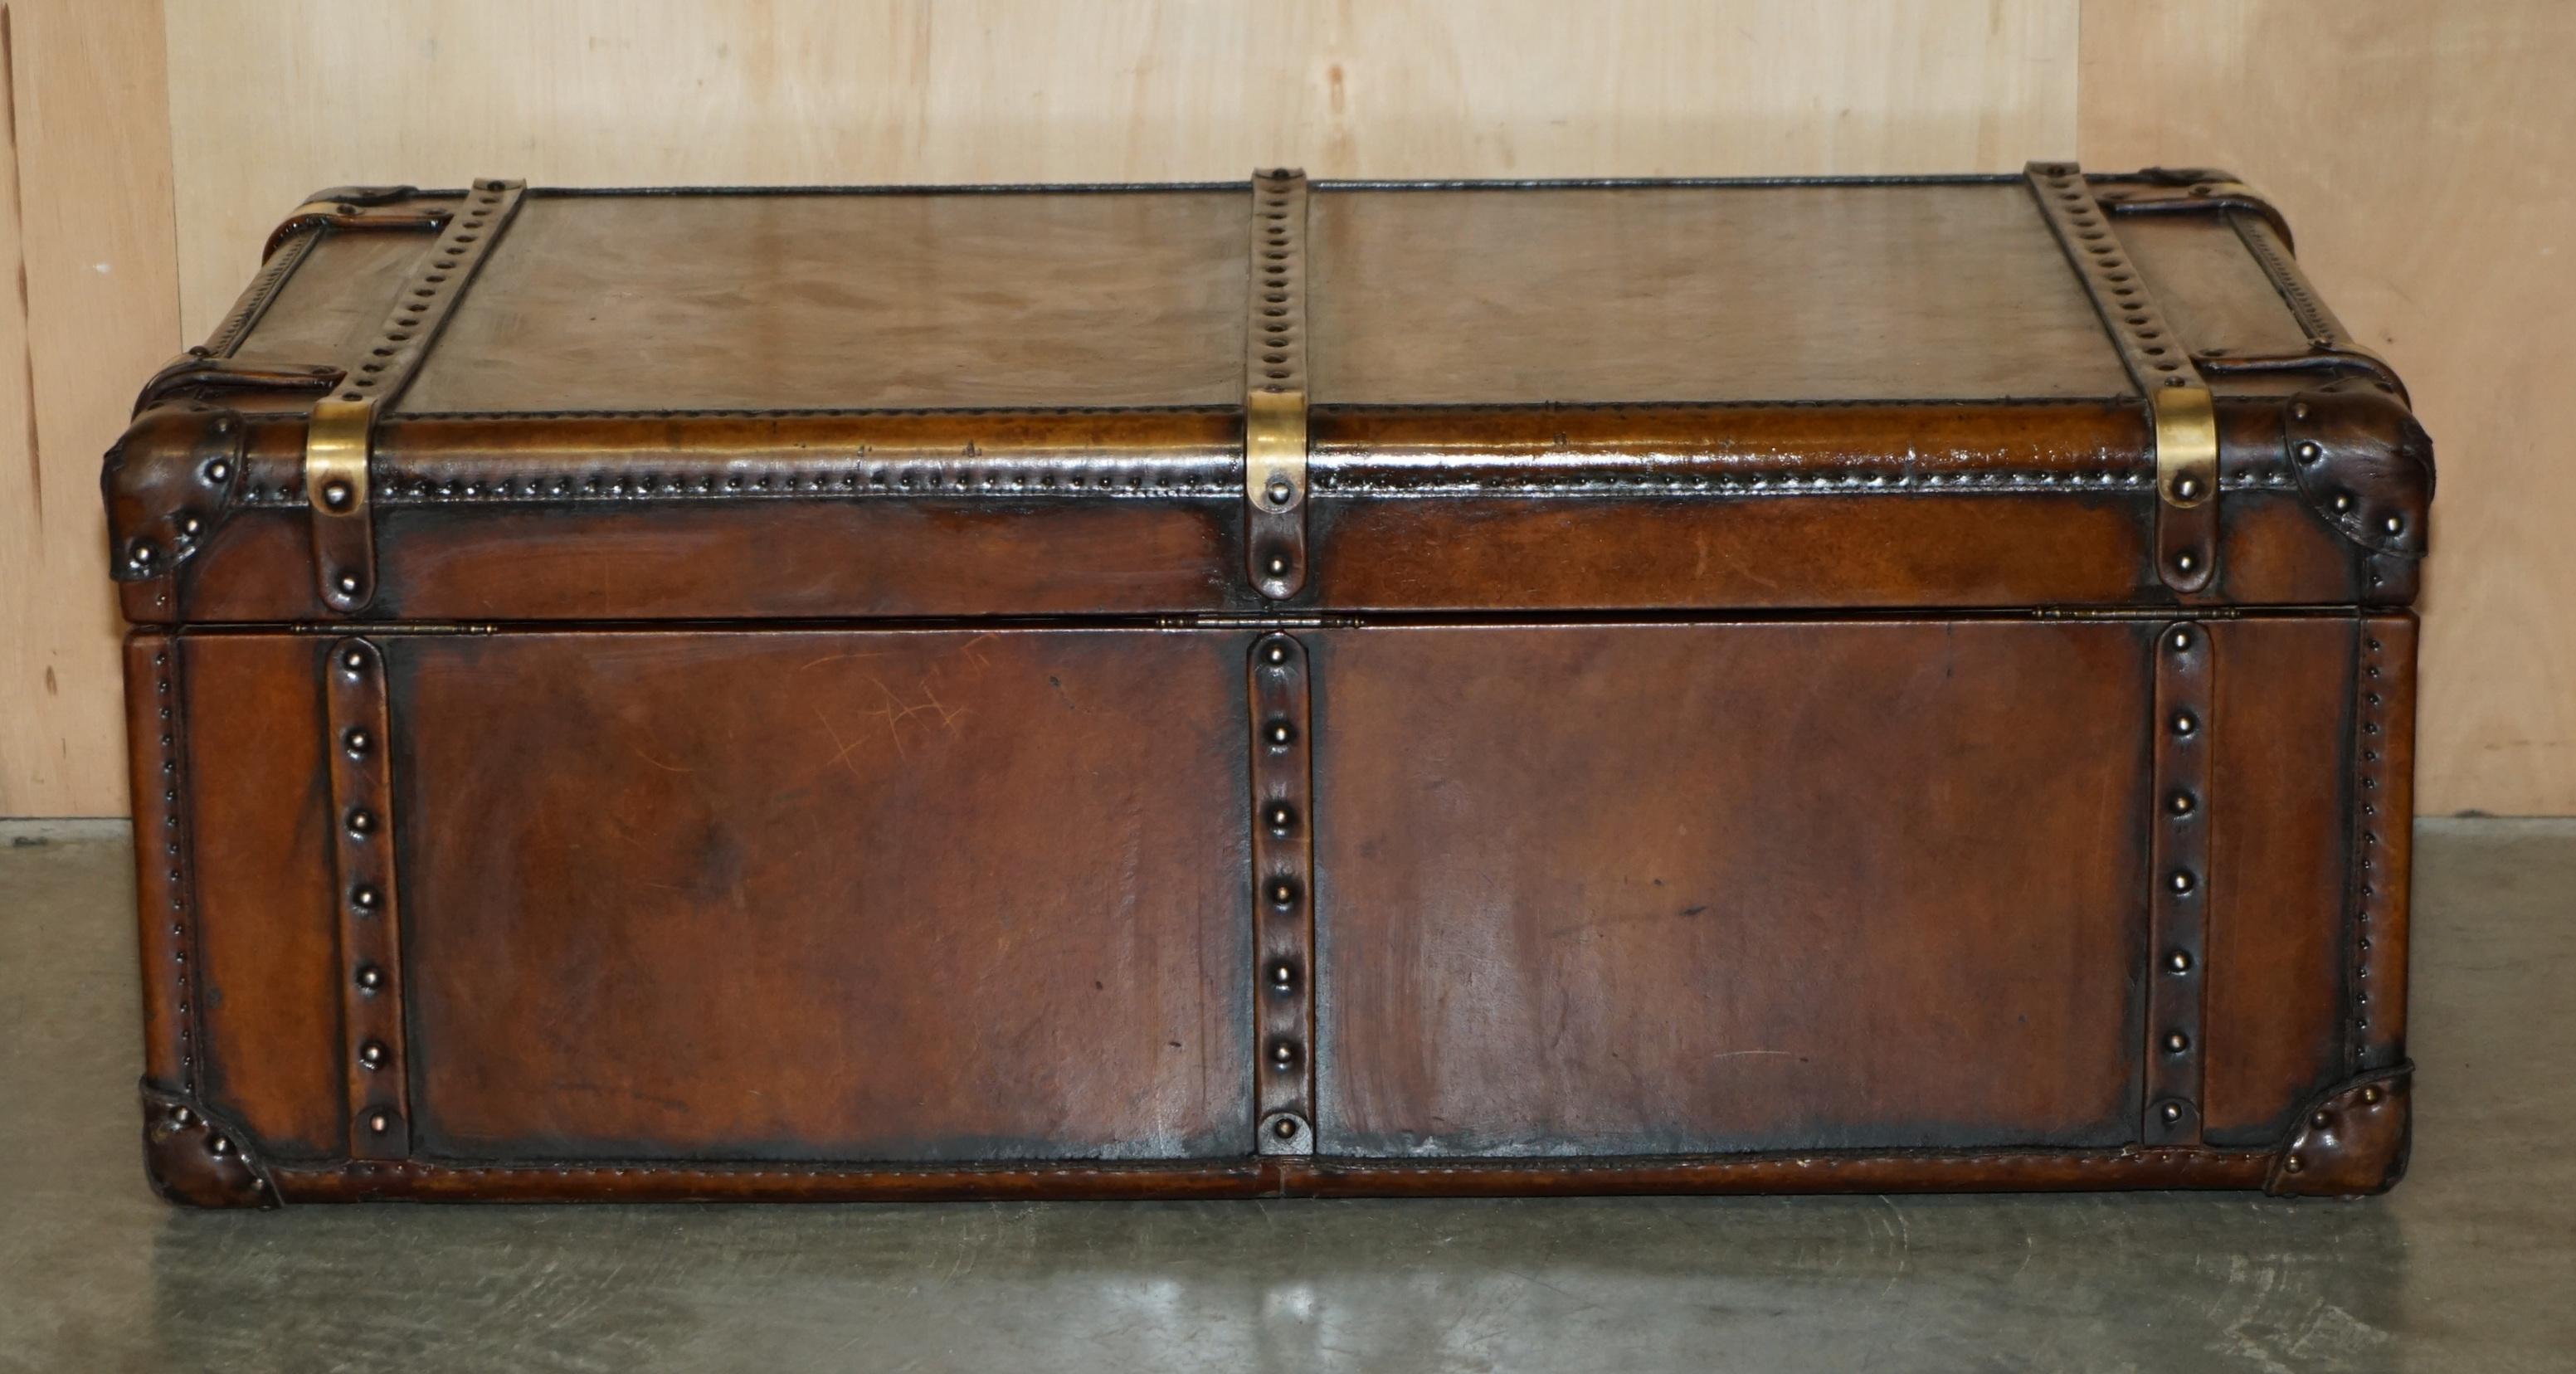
{"points": [[2470, 1265]]}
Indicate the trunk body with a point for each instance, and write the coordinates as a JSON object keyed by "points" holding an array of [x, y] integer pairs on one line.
{"points": [[1330, 688]]}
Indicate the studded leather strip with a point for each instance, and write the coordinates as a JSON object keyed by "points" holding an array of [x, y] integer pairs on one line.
{"points": [[2186, 670], [370, 932], [2178, 400], [340, 442], [2383, 806], [1274, 387], [1283, 895]]}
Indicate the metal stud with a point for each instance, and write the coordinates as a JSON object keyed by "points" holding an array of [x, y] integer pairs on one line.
{"points": [[2176, 1042], [1274, 652], [2180, 642], [1283, 1055], [380, 1122], [2183, 881], [218, 1146], [2185, 723], [2184, 562], [1279, 491], [2309, 452], [372, 1054], [1285, 1128], [2171, 1112], [2299, 411], [347, 583], [336, 494], [2321, 1120], [370, 977], [357, 741], [353, 660], [218, 470], [181, 1116], [2371, 1094], [2186, 488], [2342, 501], [142, 555], [2394, 524], [2291, 1164], [2179, 961], [1283, 976], [1281, 816], [365, 897], [2182, 804], [190, 525], [362, 822], [1281, 733], [1283, 893], [1278, 565]]}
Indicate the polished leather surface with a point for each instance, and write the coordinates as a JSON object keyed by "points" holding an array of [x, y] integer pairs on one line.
{"points": [[1824, 293], [827, 753], [898, 896], [787, 302]]}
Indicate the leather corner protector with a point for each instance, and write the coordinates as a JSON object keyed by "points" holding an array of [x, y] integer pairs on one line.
{"points": [[2363, 464], [199, 1159], [169, 481], [2350, 1142]]}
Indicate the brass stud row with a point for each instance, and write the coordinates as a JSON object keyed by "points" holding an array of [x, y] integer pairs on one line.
{"points": [[1283, 895], [2178, 918], [370, 942]]}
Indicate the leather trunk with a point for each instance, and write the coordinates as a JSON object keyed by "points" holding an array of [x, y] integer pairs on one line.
{"points": [[1273, 688]]}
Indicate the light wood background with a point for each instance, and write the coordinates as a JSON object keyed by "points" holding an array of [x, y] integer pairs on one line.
{"points": [[2422, 150]]}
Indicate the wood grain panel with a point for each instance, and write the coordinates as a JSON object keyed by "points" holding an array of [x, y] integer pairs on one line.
{"points": [[785, 91], [2415, 149], [89, 309]]}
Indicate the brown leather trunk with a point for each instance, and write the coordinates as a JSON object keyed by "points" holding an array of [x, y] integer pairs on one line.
{"points": [[1274, 688]]}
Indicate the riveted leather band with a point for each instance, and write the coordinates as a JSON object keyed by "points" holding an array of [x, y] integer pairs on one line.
{"points": [[1274, 386], [338, 446], [1283, 895], [370, 932], [2158, 363], [2186, 674]]}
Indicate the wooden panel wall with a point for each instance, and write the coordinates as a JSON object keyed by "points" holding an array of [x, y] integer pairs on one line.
{"points": [[2389, 130], [2426, 155], [90, 308]]}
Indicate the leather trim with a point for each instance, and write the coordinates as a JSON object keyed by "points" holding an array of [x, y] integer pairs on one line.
{"points": [[2188, 191], [198, 372], [257, 297], [165, 894], [2383, 805], [1276, 1176], [1283, 879], [1275, 433], [2183, 727], [349, 207], [358, 747], [199, 1158], [169, 482], [2351, 1141]]}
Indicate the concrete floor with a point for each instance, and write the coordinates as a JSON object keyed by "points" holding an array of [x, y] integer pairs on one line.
{"points": [[2470, 1265]]}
